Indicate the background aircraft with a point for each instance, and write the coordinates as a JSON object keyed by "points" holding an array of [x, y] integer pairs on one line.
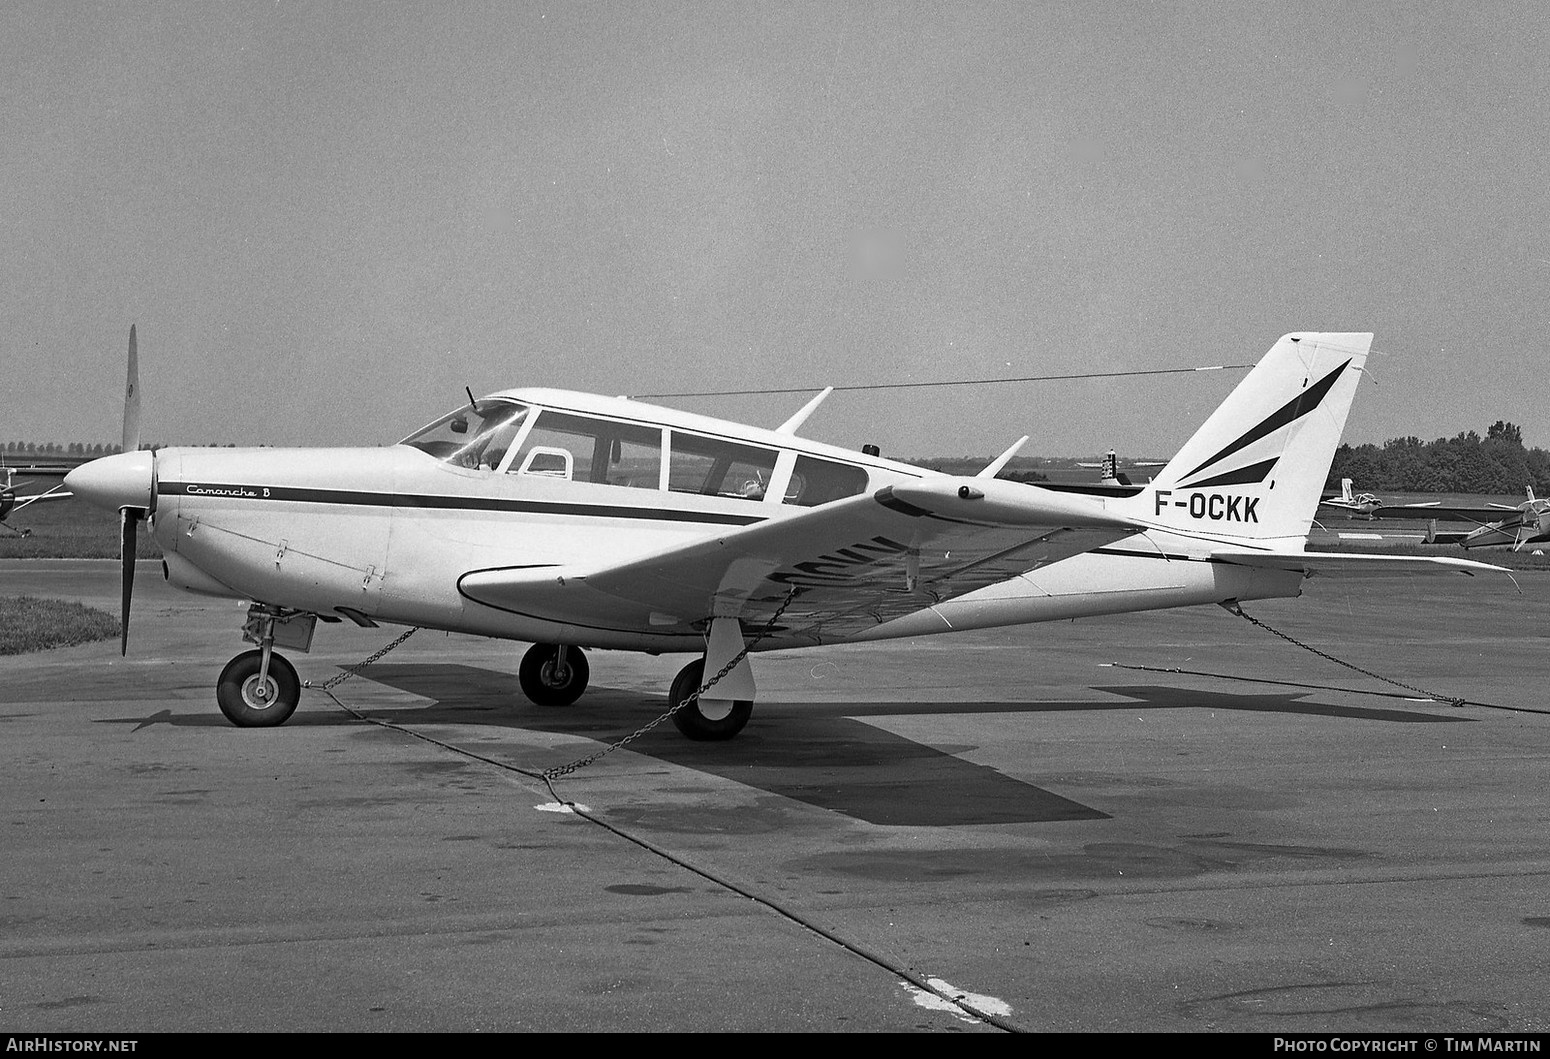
{"points": [[11, 501], [1528, 524], [572, 520], [1109, 468], [1367, 505], [1357, 503]]}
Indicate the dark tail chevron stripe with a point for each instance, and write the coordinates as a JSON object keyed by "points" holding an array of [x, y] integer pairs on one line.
{"points": [[1290, 412], [1256, 472]]}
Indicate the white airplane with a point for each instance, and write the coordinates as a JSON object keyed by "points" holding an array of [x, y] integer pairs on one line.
{"points": [[1358, 503], [1109, 472], [11, 501], [570, 520], [1529, 523]]}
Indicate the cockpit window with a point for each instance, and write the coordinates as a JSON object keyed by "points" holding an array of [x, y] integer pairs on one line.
{"points": [[474, 436]]}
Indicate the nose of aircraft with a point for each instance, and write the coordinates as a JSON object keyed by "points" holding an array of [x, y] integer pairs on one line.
{"points": [[115, 482]]}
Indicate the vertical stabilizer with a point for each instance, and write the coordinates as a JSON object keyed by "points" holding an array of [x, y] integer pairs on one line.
{"points": [[1256, 469]]}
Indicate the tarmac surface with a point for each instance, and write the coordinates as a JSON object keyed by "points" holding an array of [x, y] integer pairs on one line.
{"points": [[995, 815]]}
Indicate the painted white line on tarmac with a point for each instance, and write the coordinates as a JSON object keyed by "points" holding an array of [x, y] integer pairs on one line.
{"points": [[937, 1001]]}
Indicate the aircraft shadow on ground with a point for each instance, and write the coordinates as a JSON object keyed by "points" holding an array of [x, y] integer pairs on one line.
{"points": [[823, 754]]}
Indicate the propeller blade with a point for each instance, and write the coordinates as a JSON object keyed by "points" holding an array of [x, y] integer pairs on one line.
{"points": [[132, 397], [131, 520]]}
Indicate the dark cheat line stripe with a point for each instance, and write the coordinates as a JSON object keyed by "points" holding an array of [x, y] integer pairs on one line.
{"points": [[361, 498]]}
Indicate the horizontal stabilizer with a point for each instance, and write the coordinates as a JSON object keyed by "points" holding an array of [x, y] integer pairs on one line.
{"points": [[1330, 563]]}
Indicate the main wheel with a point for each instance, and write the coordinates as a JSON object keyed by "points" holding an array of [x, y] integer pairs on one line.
{"points": [[546, 681], [701, 720], [245, 703]]}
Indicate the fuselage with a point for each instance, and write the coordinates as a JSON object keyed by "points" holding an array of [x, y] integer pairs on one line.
{"points": [[1531, 525], [568, 480]]}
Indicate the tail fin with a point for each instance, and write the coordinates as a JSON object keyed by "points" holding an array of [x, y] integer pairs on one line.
{"points": [[1257, 468], [1111, 471]]}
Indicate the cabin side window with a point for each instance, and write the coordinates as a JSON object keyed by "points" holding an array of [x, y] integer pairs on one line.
{"points": [[582, 449], [815, 481], [712, 467]]}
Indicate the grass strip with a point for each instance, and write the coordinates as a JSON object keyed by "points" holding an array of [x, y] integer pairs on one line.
{"points": [[31, 624]]}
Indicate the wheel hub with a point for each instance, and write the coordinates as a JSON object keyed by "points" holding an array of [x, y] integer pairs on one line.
{"points": [[714, 709], [259, 695]]}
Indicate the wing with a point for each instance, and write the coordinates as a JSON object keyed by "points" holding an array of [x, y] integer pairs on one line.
{"points": [[845, 566]]}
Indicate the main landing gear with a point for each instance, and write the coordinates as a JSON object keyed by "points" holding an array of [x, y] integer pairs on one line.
{"points": [[706, 720], [553, 674], [556, 675]]}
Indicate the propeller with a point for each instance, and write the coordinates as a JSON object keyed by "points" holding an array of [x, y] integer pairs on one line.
{"points": [[129, 524], [129, 517], [132, 397], [124, 482]]}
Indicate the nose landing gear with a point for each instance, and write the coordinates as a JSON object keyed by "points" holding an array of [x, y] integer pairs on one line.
{"points": [[260, 689], [257, 693]]}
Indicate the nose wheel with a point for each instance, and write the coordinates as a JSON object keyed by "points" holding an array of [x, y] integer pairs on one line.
{"points": [[553, 674], [252, 698]]}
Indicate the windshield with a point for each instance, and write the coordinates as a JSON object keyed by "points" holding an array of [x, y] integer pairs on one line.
{"points": [[476, 435]]}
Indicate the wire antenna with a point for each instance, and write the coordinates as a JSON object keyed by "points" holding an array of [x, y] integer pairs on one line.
{"points": [[952, 382]]}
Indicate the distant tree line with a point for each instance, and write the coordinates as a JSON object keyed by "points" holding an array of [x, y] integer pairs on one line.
{"points": [[1020, 469], [1467, 463], [81, 450], [75, 448]]}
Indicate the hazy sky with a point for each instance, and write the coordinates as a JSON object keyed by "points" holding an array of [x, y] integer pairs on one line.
{"points": [[328, 218]]}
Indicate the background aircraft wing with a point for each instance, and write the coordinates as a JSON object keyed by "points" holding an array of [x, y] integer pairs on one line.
{"points": [[1477, 515], [23, 501], [852, 564]]}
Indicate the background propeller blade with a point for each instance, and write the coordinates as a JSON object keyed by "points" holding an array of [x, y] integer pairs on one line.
{"points": [[132, 397]]}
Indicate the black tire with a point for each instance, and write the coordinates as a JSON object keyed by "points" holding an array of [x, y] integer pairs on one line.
{"points": [[543, 685], [691, 721], [235, 691]]}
